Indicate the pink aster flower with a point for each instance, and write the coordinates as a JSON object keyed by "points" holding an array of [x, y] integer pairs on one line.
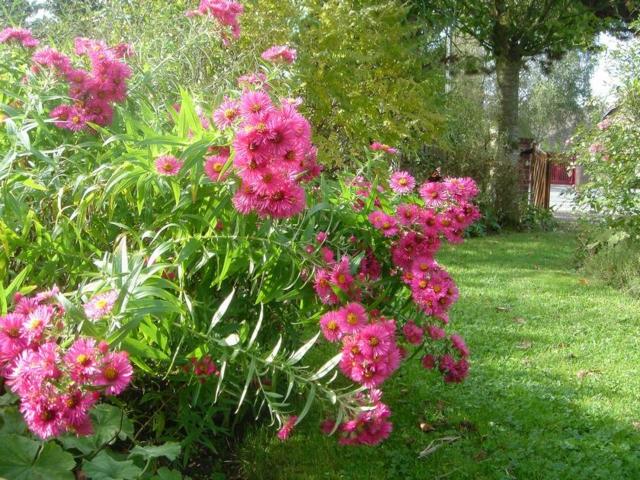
{"points": [[280, 54], [81, 359], [458, 343], [20, 35], [168, 165], [100, 305], [352, 317], [253, 104], [428, 362], [213, 166], [434, 194], [402, 182], [287, 428], [383, 222], [114, 373], [330, 326], [36, 322], [413, 333], [226, 114]]}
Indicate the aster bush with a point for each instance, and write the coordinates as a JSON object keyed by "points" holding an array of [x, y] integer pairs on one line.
{"points": [[208, 251]]}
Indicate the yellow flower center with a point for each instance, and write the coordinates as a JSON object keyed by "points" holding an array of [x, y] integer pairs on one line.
{"points": [[82, 359], [110, 373], [217, 167], [332, 325], [402, 181], [352, 319], [102, 303]]}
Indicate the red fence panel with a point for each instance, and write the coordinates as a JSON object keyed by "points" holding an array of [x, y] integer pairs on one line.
{"points": [[561, 176]]}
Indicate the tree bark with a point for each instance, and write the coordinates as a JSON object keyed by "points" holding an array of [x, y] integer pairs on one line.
{"points": [[508, 77], [507, 185]]}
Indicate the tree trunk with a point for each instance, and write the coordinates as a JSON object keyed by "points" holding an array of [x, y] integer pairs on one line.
{"points": [[507, 178], [508, 76]]}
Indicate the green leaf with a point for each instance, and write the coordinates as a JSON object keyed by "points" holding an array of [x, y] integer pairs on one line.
{"points": [[302, 351], [11, 421], [165, 474], [221, 311], [170, 450], [22, 459], [105, 467]]}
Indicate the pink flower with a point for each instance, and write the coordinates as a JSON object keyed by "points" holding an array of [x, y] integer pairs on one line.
{"points": [[82, 359], [428, 362], [407, 214], [287, 428], [254, 105], [434, 194], [402, 182], [114, 373], [168, 165], [36, 322], [100, 305], [226, 114], [603, 125], [20, 35], [330, 326], [204, 367], [321, 237], [352, 317], [213, 167], [436, 333], [377, 146], [280, 53], [413, 333], [383, 222], [458, 343], [226, 12], [596, 148]]}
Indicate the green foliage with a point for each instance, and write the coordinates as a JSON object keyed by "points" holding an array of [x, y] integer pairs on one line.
{"points": [[536, 218], [26, 459]]}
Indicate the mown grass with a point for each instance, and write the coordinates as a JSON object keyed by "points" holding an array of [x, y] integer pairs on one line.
{"points": [[553, 391]]}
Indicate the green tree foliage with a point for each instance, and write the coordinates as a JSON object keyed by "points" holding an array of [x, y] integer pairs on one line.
{"points": [[556, 101]]}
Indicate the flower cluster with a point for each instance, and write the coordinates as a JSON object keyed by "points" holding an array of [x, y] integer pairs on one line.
{"points": [[20, 35], [93, 91], [280, 54], [273, 154], [412, 231], [369, 427], [57, 387], [226, 12]]}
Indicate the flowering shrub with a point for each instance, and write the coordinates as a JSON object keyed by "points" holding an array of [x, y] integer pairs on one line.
{"points": [[205, 243]]}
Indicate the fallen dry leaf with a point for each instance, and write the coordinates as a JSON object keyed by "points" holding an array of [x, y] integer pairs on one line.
{"points": [[427, 427], [583, 281], [503, 308], [479, 456], [525, 345], [519, 320], [636, 425], [586, 373]]}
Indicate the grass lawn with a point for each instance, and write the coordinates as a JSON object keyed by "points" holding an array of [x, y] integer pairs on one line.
{"points": [[553, 390]]}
